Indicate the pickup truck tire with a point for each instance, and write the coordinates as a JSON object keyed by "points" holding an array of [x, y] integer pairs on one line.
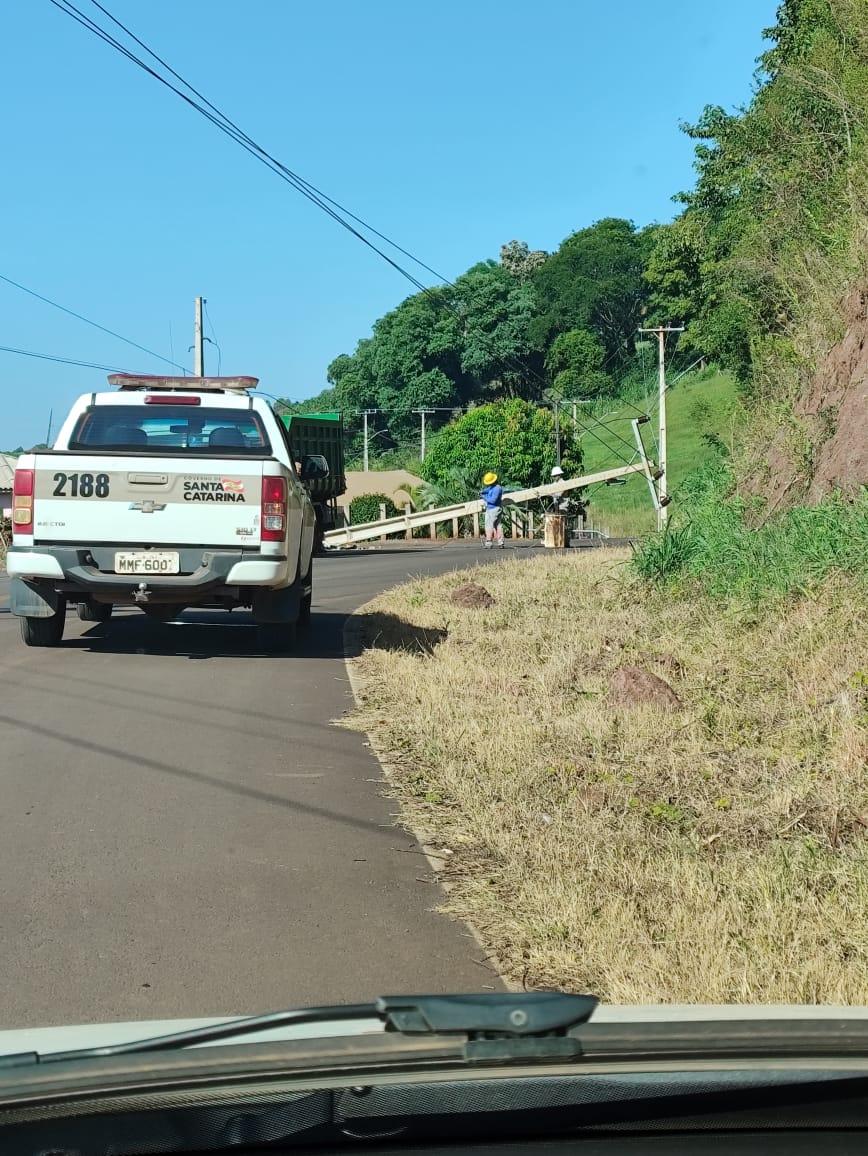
{"points": [[306, 599], [89, 611], [45, 631]]}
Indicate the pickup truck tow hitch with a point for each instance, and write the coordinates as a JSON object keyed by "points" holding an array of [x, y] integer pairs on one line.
{"points": [[143, 594]]}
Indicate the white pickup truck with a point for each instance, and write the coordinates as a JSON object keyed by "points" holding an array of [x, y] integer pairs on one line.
{"points": [[165, 494]]}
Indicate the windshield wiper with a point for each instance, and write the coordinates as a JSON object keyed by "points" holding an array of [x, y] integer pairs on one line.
{"points": [[494, 1026]]}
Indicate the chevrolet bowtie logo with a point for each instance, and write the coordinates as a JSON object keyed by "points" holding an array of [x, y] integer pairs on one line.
{"points": [[147, 507]]}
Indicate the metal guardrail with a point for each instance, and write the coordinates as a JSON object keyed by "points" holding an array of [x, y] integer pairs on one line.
{"points": [[367, 531]]}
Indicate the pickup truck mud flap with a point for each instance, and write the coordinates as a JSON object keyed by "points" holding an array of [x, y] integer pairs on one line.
{"points": [[277, 605], [33, 599]]}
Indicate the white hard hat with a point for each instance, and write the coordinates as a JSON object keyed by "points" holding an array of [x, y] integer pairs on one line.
{"points": [[557, 472]]}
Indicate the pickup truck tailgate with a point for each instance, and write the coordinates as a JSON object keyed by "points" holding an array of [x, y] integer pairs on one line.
{"points": [[144, 501]]}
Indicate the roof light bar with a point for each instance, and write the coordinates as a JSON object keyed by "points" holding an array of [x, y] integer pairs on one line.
{"points": [[188, 384]]}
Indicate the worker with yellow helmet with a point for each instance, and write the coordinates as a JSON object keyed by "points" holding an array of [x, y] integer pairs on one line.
{"points": [[492, 496]]}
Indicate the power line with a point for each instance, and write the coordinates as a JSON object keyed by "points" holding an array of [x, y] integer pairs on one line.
{"points": [[87, 321], [62, 360], [319, 192], [222, 122], [226, 126]]}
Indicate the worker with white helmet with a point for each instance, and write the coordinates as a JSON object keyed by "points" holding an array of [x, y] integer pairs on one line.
{"points": [[560, 502]]}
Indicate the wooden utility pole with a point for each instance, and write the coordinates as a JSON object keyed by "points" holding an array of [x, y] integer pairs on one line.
{"points": [[198, 342], [663, 481]]}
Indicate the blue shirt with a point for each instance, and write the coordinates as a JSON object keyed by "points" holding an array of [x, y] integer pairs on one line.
{"points": [[493, 496]]}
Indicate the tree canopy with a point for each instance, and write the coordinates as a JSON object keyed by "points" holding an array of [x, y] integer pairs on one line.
{"points": [[763, 243], [491, 333], [514, 438], [779, 196], [595, 282]]}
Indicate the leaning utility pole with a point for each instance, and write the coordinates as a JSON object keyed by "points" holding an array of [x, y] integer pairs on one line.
{"points": [[423, 413], [198, 342], [662, 483], [364, 415]]}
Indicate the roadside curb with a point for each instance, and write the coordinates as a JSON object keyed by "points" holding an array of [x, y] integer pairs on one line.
{"points": [[353, 641]]}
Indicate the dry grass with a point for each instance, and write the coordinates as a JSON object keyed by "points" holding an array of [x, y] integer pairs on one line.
{"points": [[717, 853]]}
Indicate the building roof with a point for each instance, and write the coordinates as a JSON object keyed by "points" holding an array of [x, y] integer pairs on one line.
{"points": [[7, 470]]}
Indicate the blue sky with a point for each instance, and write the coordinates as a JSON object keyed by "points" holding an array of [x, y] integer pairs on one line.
{"points": [[452, 126]]}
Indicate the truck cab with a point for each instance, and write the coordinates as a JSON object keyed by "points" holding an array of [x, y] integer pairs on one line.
{"points": [[320, 435]]}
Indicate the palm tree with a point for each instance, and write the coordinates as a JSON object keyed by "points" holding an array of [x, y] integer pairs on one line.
{"points": [[459, 485]]}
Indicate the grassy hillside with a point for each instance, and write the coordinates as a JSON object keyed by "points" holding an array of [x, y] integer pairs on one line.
{"points": [[700, 413]]}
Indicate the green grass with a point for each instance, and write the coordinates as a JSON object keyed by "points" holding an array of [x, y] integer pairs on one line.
{"points": [[710, 542], [700, 410]]}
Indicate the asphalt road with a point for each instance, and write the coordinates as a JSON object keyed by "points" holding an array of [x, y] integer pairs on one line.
{"points": [[184, 831]]}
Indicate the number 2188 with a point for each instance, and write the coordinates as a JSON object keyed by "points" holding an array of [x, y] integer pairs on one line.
{"points": [[81, 486]]}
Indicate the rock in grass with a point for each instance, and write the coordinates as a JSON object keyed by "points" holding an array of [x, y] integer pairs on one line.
{"points": [[472, 596], [633, 686]]}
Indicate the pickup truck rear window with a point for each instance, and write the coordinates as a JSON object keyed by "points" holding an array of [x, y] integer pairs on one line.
{"points": [[171, 429]]}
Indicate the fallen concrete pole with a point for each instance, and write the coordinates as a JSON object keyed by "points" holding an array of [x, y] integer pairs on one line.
{"points": [[400, 523]]}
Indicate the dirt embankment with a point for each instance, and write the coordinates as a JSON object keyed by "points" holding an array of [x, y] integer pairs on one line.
{"points": [[829, 450]]}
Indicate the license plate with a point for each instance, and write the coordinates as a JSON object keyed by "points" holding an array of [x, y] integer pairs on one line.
{"points": [[148, 562]]}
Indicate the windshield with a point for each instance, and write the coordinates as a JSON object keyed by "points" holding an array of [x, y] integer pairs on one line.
{"points": [[449, 576], [170, 429]]}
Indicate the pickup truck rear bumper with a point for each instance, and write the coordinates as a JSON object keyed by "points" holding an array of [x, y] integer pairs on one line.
{"points": [[83, 571]]}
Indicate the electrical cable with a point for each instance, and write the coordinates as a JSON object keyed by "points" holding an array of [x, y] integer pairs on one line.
{"points": [[225, 125], [87, 321], [319, 192], [62, 360]]}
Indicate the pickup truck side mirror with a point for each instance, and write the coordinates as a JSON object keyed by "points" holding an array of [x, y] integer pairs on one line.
{"points": [[314, 468]]}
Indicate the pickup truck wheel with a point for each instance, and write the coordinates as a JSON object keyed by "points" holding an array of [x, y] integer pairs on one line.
{"points": [[89, 611], [45, 631]]}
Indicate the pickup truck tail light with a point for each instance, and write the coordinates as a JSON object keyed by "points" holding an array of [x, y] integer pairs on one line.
{"points": [[22, 502], [273, 509]]}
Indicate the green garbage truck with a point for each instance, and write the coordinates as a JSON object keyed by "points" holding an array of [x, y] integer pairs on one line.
{"points": [[320, 433]]}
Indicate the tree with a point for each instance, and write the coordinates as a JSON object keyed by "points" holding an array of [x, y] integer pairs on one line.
{"points": [[412, 359], [518, 260], [458, 484], [595, 281], [514, 438], [575, 362], [324, 402], [497, 354], [778, 201]]}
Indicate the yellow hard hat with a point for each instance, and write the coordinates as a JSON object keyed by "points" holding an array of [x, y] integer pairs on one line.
{"points": [[489, 479]]}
